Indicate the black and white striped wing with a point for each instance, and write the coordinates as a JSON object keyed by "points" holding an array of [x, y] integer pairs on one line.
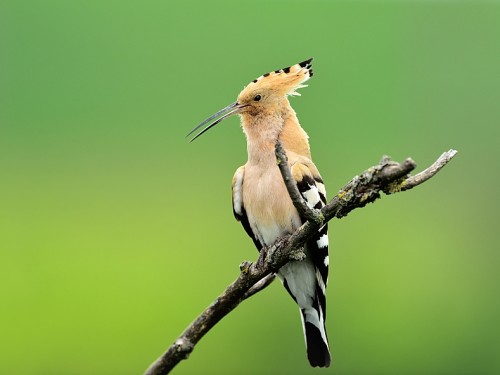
{"points": [[313, 191]]}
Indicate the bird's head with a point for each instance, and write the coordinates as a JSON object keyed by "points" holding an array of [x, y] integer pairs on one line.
{"points": [[262, 95]]}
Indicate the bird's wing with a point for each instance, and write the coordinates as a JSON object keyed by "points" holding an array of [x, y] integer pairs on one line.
{"points": [[312, 189], [238, 208]]}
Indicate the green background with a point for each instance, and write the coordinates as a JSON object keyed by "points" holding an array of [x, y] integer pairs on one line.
{"points": [[115, 233]]}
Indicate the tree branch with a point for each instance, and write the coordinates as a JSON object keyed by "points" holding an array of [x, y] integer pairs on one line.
{"points": [[388, 177], [297, 199], [260, 285], [429, 172]]}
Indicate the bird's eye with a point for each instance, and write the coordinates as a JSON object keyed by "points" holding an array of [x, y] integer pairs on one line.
{"points": [[257, 98]]}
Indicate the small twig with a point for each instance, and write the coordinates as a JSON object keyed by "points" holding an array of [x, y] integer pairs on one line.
{"points": [[300, 204], [389, 177], [260, 285], [423, 176]]}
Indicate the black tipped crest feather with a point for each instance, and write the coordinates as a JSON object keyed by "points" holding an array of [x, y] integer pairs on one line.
{"points": [[304, 64]]}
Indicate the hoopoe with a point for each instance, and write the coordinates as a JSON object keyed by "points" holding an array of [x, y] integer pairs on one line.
{"points": [[261, 201]]}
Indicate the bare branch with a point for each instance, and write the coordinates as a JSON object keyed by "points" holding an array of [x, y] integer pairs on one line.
{"points": [[299, 202], [429, 172], [260, 285], [366, 187], [388, 176]]}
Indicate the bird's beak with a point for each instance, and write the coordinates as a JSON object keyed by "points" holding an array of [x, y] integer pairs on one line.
{"points": [[223, 114]]}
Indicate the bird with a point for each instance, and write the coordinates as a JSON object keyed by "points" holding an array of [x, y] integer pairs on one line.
{"points": [[260, 199]]}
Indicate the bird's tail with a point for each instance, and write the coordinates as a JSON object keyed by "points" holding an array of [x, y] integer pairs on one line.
{"points": [[318, 351]]}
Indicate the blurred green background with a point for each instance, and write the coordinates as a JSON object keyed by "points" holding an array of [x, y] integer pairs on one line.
{"points": [[115, 233]]}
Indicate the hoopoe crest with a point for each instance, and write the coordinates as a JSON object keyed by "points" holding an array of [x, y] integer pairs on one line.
{"points": [[260, 199]]}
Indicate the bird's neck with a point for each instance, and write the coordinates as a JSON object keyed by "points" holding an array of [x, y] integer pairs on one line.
{"points": [[264, 129]]}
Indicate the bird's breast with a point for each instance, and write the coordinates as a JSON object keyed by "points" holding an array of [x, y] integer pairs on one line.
{"points": [[270, 210]]}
